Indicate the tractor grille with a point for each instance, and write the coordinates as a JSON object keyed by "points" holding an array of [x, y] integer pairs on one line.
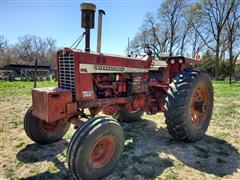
{"points": [[66, 72]]}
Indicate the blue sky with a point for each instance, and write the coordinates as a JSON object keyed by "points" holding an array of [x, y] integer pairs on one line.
{"points": [[61, 21]]}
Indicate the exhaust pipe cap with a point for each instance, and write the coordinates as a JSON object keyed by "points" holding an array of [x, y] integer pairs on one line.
{"points": [[88, 7]]}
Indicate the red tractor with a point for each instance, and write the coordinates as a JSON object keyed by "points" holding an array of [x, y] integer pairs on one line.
{"points": [[121, 87]]}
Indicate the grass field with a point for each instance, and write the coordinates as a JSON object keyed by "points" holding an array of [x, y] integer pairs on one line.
{"points": [[150, 152]]}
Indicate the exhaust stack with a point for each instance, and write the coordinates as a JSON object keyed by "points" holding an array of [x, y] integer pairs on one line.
{"points": [[99, 35], [87, 21]]}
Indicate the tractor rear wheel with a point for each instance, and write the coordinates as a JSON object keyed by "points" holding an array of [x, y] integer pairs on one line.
{"points": [[189, 105], [43, 132], [95, 148], [123, 115]]}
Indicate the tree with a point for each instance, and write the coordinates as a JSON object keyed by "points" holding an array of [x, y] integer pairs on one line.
{"points": [[163, 34], [193, 39], [3, 47], [27, 49], [233, 37], [171, 14], [150, 34], [32, 47], [210, 19], [51, 51], [3, 44]]}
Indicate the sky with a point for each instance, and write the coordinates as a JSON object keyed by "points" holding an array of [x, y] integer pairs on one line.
{"points": [[60, 20]]}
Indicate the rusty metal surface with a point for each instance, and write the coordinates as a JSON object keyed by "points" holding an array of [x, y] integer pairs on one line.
{"points": [[52, 104], [100, 89]]}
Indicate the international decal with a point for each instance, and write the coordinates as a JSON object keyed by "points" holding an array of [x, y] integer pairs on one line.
{"points": [[109, 68]]}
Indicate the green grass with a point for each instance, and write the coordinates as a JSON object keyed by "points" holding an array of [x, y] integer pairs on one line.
{"points": [[222, 89], [10, 173], [149, 153], [21, 88], [22, 85], [20, 144]]}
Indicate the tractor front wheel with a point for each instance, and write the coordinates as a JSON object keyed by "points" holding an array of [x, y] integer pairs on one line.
{"points": [[189, 105], [43, 132], [95, 149]]}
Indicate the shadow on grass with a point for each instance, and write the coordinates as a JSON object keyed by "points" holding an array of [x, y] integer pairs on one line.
{"points": [[34, 153], [209, 155], [147, 153], [37, 153]]}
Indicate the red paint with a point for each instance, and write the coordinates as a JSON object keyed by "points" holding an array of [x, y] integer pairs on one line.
{"points": [[103, 103], [85, 85], [102, 152], [138, 103], [110, 110], [106, 91], [52, 104], [49, 126]]}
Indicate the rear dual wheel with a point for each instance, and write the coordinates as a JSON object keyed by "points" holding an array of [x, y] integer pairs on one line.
{"points": [[95, 149]]}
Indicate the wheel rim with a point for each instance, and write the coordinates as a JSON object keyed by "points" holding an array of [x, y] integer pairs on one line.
{"points": [[199, 106], [102, 152], [49, 127]]}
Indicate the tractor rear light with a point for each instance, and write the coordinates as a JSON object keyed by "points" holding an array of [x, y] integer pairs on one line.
{"points": [[180, 61], [172, 61]]}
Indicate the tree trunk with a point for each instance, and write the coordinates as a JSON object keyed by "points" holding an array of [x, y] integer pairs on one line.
{"points": [[230, 74], [230, 58], [171, 39], [171, 44], [217, 57], [231, 66]]}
